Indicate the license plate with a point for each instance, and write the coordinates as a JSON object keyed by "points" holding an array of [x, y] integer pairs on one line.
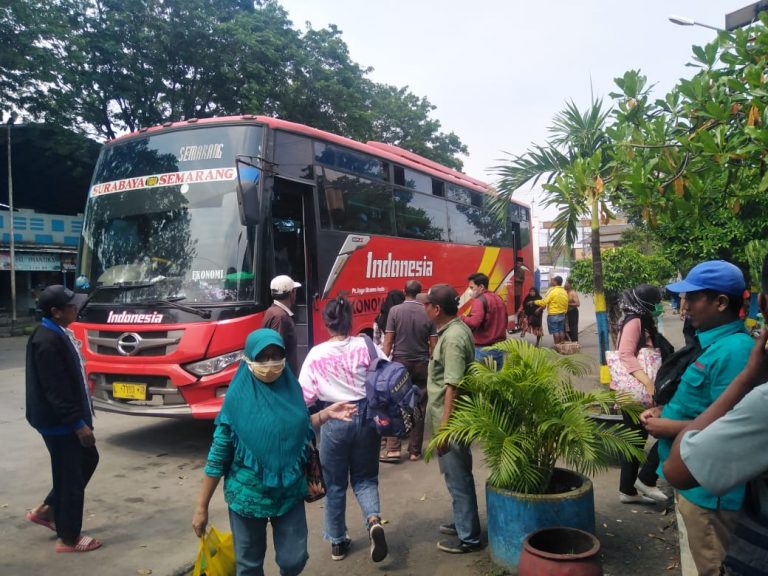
{"points": [[129, 391]]}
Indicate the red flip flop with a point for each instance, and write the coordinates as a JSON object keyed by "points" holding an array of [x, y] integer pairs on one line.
{"points": [[83, 544], [42, 521]]}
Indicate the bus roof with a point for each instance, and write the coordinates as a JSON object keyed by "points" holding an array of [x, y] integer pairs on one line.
{"points": [[379, 149]]}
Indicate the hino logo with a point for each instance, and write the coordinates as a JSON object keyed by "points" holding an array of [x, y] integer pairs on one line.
{"points": [[128, 343]]}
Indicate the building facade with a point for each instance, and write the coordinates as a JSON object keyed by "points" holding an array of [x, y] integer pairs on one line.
{"points": [[44, 253]]}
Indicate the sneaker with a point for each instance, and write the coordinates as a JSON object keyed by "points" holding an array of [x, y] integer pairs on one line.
{"points": [[339, 551], [456, 546], [449, 529], [635, 499], [651, 492], [378, 540]]}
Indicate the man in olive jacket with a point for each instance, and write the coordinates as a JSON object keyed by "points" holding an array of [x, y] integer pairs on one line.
{"points": [[59, 408]]}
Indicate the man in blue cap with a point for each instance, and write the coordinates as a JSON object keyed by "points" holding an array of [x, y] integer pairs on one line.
{"points": [[725, 447], [714, 291]]}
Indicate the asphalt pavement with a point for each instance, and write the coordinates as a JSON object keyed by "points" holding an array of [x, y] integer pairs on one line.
{"points": [[141, 498]]}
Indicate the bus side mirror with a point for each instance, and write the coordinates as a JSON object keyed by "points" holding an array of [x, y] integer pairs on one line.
{"points": [[249, 186]]}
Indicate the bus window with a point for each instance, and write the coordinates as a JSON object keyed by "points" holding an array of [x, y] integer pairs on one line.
{"points": [[420, 216], [293, 155], [525, 233], [467, 225], [354, 204], [457, 193], [399, 173], [438, 188], [418, 181], [351, 161]]}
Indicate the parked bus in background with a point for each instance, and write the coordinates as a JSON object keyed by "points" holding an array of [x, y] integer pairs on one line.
{"points": [[186, 224]]}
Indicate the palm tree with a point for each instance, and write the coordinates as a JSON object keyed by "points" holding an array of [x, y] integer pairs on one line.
{"points": [[575, 166], [528, 416]]}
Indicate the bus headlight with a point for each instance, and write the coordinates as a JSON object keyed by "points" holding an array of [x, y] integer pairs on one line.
{"points": [[214, 365]]}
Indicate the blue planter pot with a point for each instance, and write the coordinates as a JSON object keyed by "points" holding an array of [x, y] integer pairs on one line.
{"points": [[512, 516]]}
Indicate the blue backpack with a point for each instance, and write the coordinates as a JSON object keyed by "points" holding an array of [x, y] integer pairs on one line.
{"points": [[393, 400]]}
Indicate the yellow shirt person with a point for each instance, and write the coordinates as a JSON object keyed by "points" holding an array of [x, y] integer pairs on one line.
{"points": [[556, 300]]}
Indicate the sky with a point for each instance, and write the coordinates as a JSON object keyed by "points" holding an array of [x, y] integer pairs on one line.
{"points": [[499, 70]]}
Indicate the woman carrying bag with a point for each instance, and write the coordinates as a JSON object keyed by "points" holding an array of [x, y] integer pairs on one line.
{"points": [[333, 371], [636, 333], [261, 445], [532, 316]]}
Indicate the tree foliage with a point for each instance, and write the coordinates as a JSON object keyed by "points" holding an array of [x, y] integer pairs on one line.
{"points": [[103, 67], [623, 268], [576, 163], [692, 164]]}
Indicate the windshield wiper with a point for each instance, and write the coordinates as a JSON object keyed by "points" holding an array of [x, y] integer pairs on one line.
{"points": [[173, 303], [119, 286]]}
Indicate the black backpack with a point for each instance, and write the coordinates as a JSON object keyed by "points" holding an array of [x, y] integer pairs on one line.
{"points": [[664, 346], [672, 369]]}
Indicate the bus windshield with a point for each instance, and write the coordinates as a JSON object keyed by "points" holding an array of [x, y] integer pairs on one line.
{"points": [[163, 222]]}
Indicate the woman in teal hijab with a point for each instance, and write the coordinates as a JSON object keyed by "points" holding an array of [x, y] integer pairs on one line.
{"points": [[260, 446]]}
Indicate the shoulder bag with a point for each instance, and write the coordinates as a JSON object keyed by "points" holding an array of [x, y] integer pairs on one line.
{"points": [[314, 474], [624, 383]]}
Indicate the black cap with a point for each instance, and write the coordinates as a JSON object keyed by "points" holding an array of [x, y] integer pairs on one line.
{"points": [[58, 296]]}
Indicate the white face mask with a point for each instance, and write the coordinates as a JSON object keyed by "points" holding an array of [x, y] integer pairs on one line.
{"points": [[268, 371]]}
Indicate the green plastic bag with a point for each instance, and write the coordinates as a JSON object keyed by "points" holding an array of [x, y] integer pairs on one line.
{"points": [[216, 555]]}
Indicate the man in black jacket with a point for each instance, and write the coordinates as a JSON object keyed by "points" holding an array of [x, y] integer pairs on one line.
{"points": [[59, 407]]}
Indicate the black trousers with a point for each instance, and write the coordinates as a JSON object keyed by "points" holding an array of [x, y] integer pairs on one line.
{"points": [[572, 324], [72, 466], [631, 470]]}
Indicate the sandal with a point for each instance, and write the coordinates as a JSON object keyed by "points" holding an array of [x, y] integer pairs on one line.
{"points": [[32, 517], [414, 457], [83, 544], [391, 456]]}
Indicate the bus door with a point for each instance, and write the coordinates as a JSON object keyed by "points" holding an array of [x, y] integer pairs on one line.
{"points": [[291, 214], [513, 288]]}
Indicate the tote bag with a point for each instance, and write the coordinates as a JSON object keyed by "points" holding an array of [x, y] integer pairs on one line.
{"points": [[624, 383]]}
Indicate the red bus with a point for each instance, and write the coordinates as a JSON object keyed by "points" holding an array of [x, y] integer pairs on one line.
{"points": [[186, 224]]}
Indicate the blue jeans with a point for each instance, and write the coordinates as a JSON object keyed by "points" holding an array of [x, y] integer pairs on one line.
{"points": [[289, 533], [456, 466], [556, 323], [497, 355], [349, 451]]}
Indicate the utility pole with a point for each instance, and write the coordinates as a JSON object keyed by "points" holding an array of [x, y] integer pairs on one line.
{"points": [[13, 239]]}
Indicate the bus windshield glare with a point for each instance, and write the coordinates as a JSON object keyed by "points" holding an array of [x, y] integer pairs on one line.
{"points": [[163, 222]]}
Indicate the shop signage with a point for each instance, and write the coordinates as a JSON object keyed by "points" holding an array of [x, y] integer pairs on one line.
{"points": [[31, 262]]}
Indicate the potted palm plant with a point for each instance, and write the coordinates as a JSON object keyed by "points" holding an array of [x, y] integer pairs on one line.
{"points": [[528, 417]]}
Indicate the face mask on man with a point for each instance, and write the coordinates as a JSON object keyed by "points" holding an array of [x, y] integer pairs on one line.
{"points": [[268, 371]]}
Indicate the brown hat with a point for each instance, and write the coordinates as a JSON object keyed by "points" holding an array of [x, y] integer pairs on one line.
{"points": [[445, 296]]}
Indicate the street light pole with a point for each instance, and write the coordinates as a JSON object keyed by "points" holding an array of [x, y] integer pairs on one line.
{"points": [[13, 240], [683, 21]]}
